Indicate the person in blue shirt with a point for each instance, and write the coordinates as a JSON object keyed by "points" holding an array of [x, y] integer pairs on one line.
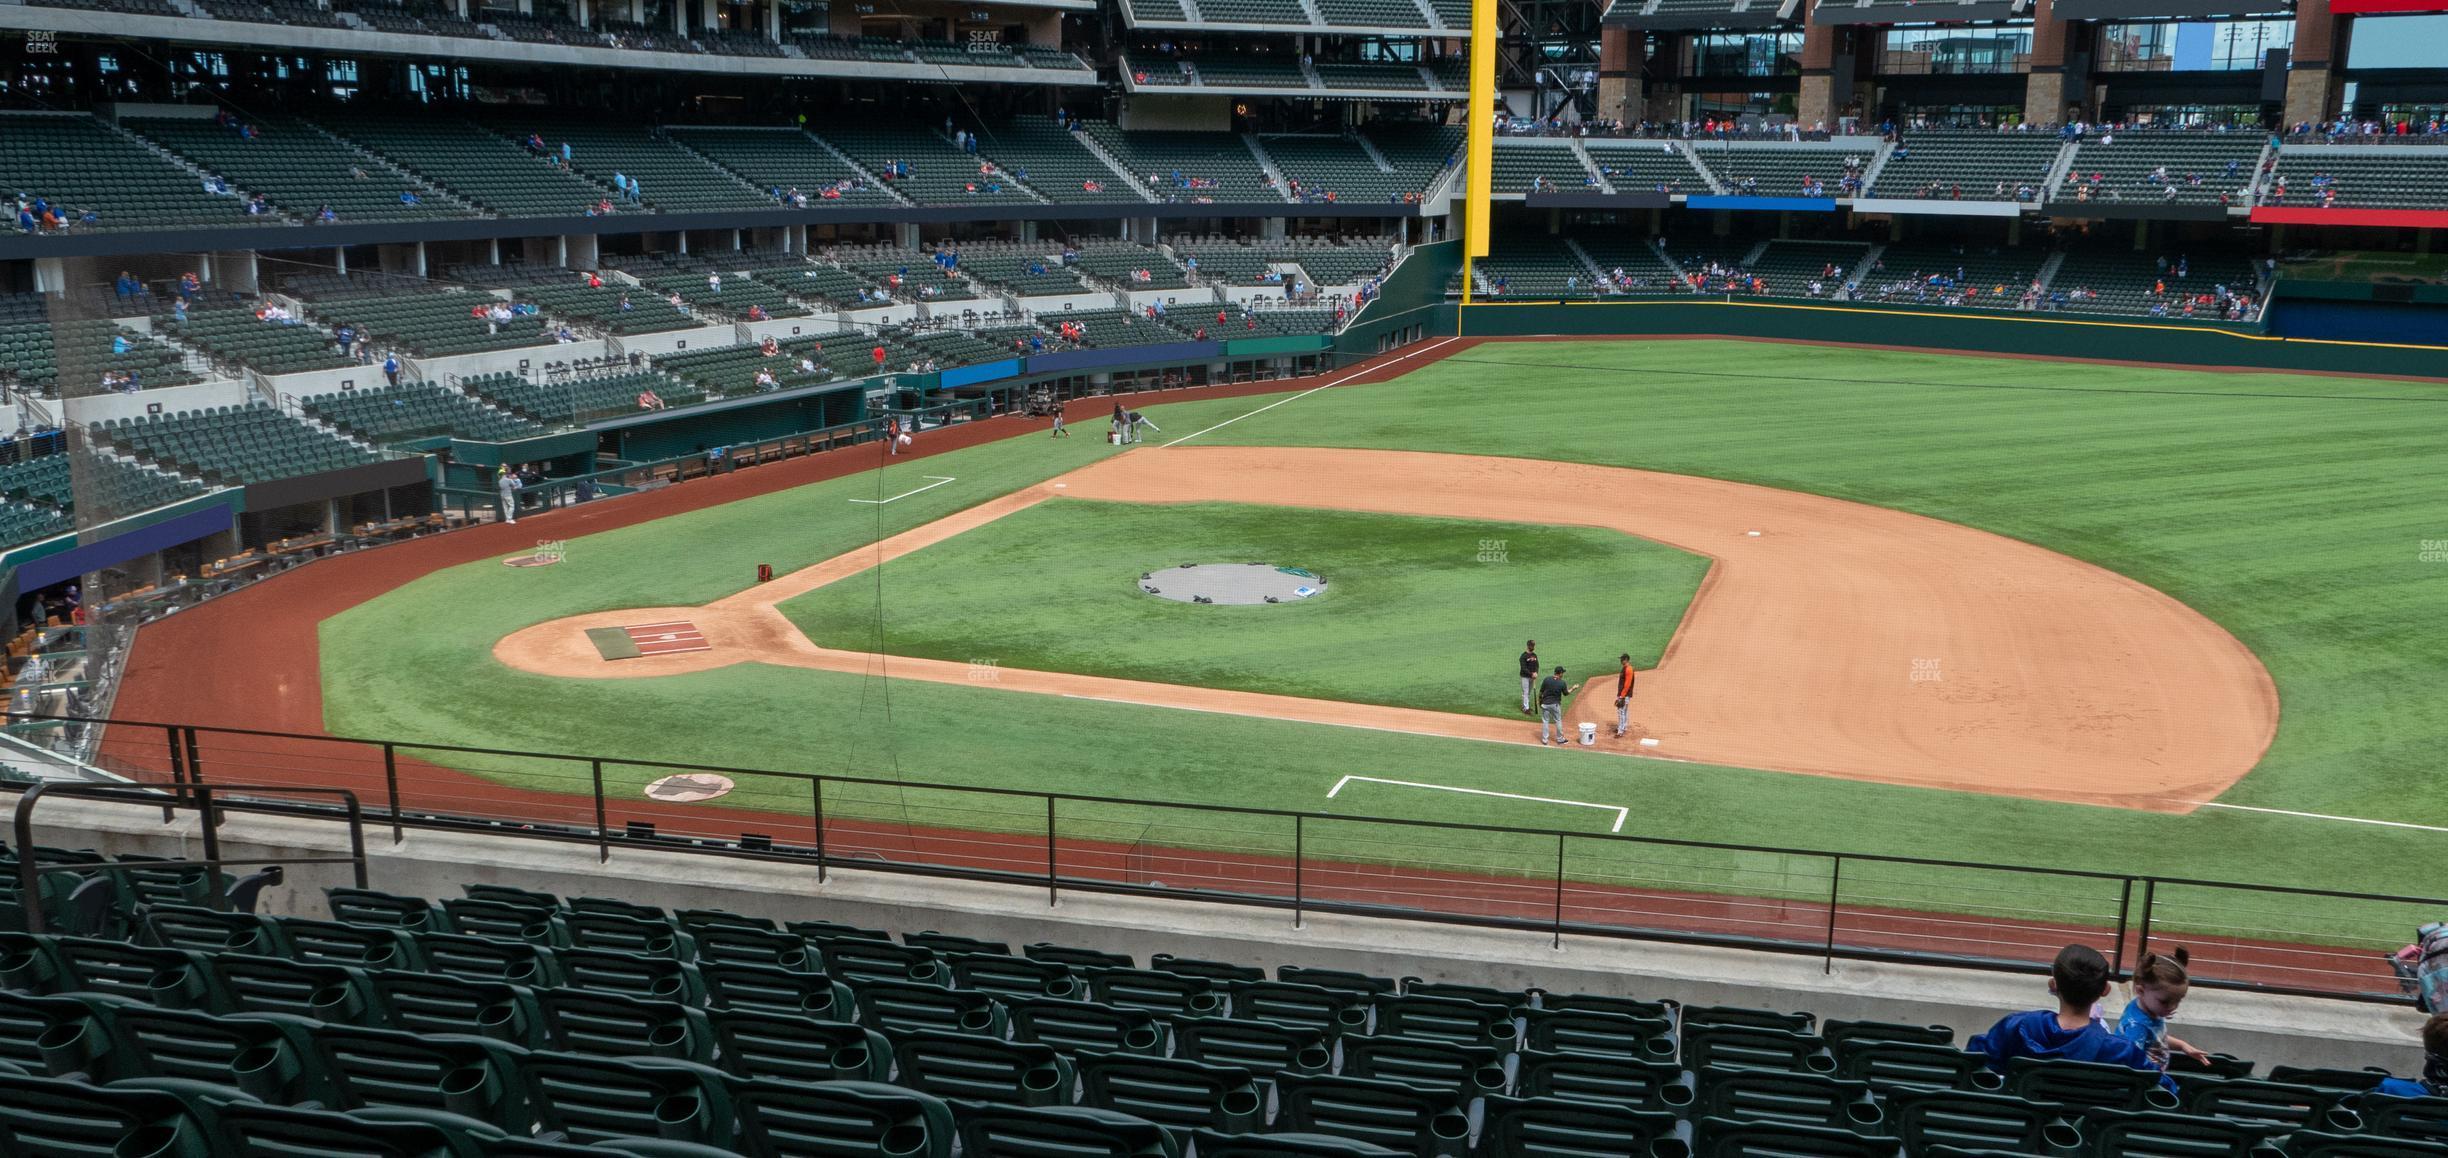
{"points": [[2434, 1080], [2079, 978], [2159, 986]]}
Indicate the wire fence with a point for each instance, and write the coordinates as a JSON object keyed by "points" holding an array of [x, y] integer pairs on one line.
{"points": [[1833, 905]]}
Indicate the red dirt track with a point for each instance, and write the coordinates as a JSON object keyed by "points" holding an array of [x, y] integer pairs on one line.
{"points": [[251, 660]]}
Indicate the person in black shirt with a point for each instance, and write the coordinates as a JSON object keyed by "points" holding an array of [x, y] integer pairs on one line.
{"points": [[1529, 672], [1551, 693]]}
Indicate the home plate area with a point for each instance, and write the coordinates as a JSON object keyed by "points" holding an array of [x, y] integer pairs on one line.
{"points": [[648, 639]]}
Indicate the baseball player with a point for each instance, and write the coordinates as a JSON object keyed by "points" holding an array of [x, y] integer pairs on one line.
{"points": [[509, 486], [1623, 696], [1138, 420], [1552, 691], [1529, 672]]}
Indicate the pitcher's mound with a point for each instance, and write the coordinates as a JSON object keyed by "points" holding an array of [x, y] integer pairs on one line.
{"points": [[1232, 583]]}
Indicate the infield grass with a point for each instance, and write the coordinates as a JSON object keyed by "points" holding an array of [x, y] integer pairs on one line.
{"points": [[1417, 612], [2291, 509]]}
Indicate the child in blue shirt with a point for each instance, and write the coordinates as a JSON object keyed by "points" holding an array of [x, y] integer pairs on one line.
{"points": [[2159, 986], [2079, 978]]}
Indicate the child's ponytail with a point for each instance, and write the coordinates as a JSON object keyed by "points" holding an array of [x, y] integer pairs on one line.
{"points": [[2165, 970]]}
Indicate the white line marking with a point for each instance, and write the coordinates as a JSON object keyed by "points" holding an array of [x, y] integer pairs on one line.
{"points": [[1620, 813], [1312, 390], [939, 481], [2320, 816]]}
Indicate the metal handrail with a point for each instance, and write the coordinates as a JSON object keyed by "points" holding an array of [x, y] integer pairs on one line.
{"points": [[2132, 931], [194, 795]]}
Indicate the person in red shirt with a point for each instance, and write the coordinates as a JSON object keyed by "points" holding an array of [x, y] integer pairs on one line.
{"points": [[878, 355]]}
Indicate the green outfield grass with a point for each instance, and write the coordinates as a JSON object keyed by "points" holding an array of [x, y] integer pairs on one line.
{"points": [[1417, 613], [2291, 509]]}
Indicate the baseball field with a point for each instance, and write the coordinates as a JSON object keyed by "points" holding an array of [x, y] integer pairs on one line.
{"points": [[2045, 613]]}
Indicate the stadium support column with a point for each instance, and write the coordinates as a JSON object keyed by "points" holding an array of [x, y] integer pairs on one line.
{"points": [[1617, 74], [1817, 102], [1661, 96], [2051, 87], [2311, 91]]}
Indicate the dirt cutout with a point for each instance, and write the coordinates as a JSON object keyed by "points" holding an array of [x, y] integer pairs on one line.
{"points": [[1838, 640]]}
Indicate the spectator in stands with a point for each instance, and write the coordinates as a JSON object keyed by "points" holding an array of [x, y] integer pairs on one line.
{"points": [[126, 285], [409, 197], [2434, 1080], [2159, 986], [2079, 978], [648, 400], [391, 369], [325, 216]]}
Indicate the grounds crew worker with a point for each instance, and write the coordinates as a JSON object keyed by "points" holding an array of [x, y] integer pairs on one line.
{"points": [[1529, 672], [1623, 696], [1552, 691]]}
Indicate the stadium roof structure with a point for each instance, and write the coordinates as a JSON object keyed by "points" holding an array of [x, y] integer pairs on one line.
{"points": [[2155, 9], [1685, 14], [1915, 11]]}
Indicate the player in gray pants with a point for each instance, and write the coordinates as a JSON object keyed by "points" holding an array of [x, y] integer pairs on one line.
{"points": [[1551, 693]]}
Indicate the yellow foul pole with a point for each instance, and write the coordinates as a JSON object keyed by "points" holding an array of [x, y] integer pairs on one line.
{"points": [[1479, 159]]}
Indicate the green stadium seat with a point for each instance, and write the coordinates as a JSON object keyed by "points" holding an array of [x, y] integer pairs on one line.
{"points": [[1570, 1128], [264, 1131], [2081, 1085], [1299, 1006], [1169, 995], [1259, 1046], [1573, 1031], [622, 933], [1223, 973], [770, 989], [968, 1066], [1077, 958], [1727, 1138], [606, 1023], [2110, 1133], [1429, 1063], [1746, 1046], [908, 1006], [842, 1118], [1077, 1026], [1389, 1114], [947, 944], [1445, 1019], [577, 1098], [1657, 1085], [489, 959], [1925, 1117], [1886, 1064], [2314, 1144], [382, 910], [323, 991], [479, 917], [54, 1118], [747, 946], [635, 974], [2412, 1119], [757, 1044], [1338, 980], [857, 959], [1287, 1144], [1511, 999], [436, 1003], [1746, 1095], [469, 1076], [1059, 1132], [1007, 976], [1176, 1093], [1838, 1033]]}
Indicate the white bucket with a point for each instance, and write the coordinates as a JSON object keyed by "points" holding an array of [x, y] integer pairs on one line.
{"points": [[1589, 735]]}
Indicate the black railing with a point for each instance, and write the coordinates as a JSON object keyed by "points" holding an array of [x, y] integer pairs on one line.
{"points": [[1824, 903], [208, 800]]}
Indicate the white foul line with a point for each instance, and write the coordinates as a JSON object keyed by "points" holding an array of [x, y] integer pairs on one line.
{"points": [[1620, 813], [2320, 816], [939, 481], [1312, 390]]}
